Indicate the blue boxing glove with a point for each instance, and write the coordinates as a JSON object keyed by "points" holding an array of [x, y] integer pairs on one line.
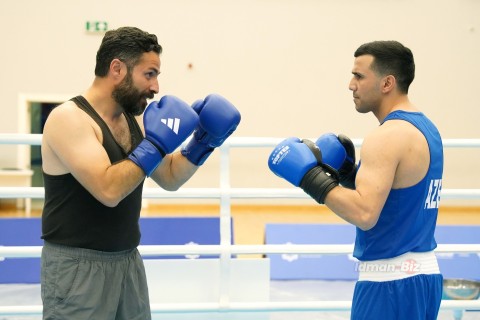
{"points": [[218, 119], [301, 163], [167, 123], [333, 152], [343, 150], [292, 159]]}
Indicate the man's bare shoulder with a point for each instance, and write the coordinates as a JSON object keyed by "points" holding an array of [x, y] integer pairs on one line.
{"points": [[388, 139], [67, 113], [400, 131], [68, 119], [65, 108]]}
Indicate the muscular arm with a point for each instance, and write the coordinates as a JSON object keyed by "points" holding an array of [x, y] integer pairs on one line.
{"points": [[393, 156], [71, 144], [380, 158], [173, 171]]}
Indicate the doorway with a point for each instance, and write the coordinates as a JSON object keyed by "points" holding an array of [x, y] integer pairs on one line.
{"points": [[39, 112], [33, 113]]}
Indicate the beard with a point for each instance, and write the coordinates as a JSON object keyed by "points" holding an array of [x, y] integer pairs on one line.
{"points": [[130, 98]]}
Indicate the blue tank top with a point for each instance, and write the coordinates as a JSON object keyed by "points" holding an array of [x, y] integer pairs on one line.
{"points": [[408, 218]]}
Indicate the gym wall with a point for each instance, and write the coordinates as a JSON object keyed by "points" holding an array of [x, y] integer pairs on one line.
{"points": [[285, 64]]}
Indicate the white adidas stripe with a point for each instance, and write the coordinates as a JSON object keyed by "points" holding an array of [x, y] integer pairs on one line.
{"points": [[172, 123]]}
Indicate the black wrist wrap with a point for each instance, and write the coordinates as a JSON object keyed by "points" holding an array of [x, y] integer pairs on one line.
{"points": [[317, 183]]}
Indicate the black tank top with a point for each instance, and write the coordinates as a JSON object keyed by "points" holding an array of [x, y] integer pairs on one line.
{"points": [[73, 217]]}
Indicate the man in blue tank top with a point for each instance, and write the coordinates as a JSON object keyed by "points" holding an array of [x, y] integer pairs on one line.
{"points": [[392, 196]]}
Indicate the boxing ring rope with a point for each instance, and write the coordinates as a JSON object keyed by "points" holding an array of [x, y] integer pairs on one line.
{"points": [[225, 250], [269, 307], [216, 250], [216, 193]]}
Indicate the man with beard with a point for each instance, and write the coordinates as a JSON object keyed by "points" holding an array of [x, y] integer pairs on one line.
{"points": [[96, 155]]}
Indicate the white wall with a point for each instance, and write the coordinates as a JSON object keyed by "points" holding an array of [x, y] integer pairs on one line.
{"points": [[285, 64]]}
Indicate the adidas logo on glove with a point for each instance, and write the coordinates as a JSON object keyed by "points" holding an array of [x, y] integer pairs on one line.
{"points": [[172, 123]]}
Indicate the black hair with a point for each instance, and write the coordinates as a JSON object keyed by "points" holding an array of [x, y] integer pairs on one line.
{"points": [[126, 44], [391, 58]]}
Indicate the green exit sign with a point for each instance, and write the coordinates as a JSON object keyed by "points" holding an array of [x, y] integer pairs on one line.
{"points": [[96, 26]]}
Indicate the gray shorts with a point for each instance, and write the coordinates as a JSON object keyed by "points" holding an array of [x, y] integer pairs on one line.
{"points": [[87, 284]]}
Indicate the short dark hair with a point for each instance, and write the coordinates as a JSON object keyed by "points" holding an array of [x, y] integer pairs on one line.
{"points": [[127, 44], [391, 58]]}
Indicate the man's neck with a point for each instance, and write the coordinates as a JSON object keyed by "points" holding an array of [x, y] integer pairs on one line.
{"points": [[390, 105], [99, 95]]}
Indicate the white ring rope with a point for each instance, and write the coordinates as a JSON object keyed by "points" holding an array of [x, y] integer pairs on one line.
{"points": [[239, 142], [231, 307], [216, 193], [225, 250], [216, 250]]}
